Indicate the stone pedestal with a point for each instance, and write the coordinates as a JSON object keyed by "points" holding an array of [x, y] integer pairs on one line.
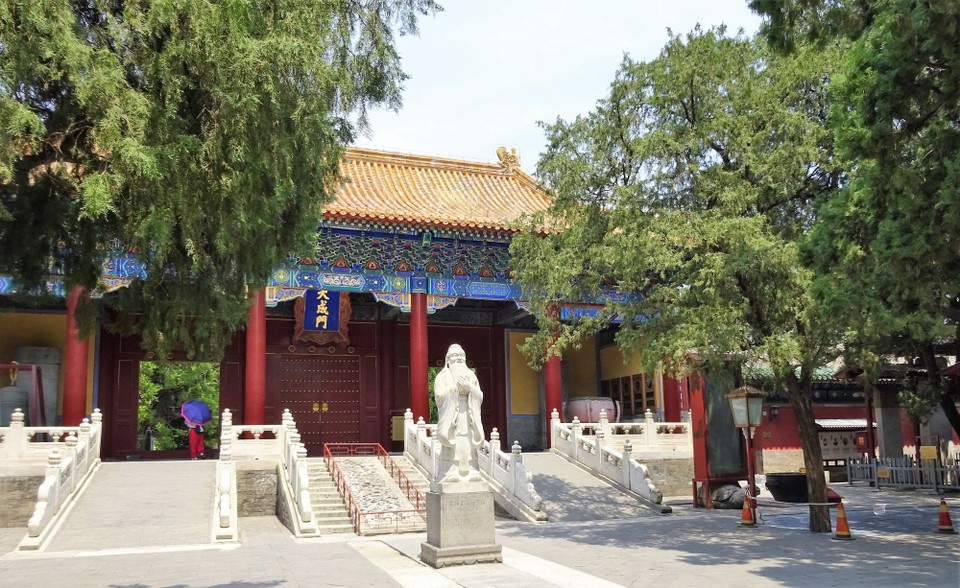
{"points": [[460, 526]]}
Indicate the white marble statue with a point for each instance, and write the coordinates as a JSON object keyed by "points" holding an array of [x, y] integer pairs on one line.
{"points": [[458, 395]]}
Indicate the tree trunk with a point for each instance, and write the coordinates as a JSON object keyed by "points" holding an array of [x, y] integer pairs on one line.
{"points": [[798, 393]]}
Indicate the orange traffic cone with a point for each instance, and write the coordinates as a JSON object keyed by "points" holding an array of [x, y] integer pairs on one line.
{"points": [[946, 525], [843, 530], [746, 517]]}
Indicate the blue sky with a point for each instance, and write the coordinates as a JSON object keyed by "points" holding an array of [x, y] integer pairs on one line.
{"points": [[483, 72]]}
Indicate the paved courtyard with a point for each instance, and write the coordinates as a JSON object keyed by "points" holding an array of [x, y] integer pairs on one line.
{"points": [[894, 545]]}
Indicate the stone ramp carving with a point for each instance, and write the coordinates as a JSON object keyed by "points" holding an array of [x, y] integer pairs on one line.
{"points": [[384, 507], [570, 493], [129, 505]]}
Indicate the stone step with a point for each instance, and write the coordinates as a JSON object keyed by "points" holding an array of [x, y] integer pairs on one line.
{"points": [[328, 508], [334, 521], [326, 499], [322, 491], [334, 508], [335, 529]]}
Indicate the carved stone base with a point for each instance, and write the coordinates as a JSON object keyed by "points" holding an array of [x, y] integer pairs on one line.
{"points": [[460, 529]]}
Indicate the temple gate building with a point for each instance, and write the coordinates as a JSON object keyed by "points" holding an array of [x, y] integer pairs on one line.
{"points": [[412, 255]]}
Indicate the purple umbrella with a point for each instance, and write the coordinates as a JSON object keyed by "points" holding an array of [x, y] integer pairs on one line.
{"points": [[195, 412]]}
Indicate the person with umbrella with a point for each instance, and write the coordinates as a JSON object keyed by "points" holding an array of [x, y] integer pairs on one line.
{"points": [[196, 414]]}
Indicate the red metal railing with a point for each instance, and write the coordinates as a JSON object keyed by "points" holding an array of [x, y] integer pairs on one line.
{"points": [[353, 511], [413, 494]]}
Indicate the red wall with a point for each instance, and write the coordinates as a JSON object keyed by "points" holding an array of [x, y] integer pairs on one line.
{"points": [[783, 432], [383, 348]]}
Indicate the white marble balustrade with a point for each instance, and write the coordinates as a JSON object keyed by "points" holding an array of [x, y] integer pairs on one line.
{"points": [[263, 442], [614, 461], [650, 438], [70, 459], [505, 472], [19, 443]]}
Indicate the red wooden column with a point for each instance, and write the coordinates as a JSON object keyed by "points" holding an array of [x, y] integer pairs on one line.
{"points": [[75, 354], [255, 375], [419, 392]]}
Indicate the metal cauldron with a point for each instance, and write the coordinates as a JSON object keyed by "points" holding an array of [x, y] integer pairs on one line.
{"points": [[587, 409]]}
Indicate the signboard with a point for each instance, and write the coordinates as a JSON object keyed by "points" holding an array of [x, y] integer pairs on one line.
{"points": [[321, 311], [396, 428], [928, 452], [883, 473], [839, 444]]}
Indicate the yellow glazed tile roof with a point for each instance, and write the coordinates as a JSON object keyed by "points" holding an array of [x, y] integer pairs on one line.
{"points": [[424, 190]]}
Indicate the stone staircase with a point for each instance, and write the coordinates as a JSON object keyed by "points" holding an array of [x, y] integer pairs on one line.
{"points": [[328, 507], [412, 472]]}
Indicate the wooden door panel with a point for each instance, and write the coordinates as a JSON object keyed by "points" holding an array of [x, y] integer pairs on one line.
{"points": [[125, 404], [323, 395]]}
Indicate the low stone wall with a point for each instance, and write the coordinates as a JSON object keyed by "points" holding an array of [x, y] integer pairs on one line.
{"points": [[670, 476], [18, 495], [256, 488]]}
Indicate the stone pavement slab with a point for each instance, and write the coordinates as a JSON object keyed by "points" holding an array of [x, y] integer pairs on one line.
{"points": [[569, 493], [898, 547], [141, 504]]}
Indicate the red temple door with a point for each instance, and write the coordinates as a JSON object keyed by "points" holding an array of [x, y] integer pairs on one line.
{"points": [[323, 395]]}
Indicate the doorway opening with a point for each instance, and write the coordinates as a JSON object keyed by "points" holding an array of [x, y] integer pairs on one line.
{"points": [[163, 388]]}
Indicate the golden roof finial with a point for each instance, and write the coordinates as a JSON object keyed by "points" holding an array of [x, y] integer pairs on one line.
{"points": [[508, 160]]}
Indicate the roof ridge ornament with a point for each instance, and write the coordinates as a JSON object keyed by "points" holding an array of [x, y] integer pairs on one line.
{"points": [[509, 160]]}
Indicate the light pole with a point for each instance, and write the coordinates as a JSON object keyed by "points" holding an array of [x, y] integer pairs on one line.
{"points": [[746, 404]]}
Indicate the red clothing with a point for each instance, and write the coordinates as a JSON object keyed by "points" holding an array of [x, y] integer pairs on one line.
{"points": [[196, 443]]}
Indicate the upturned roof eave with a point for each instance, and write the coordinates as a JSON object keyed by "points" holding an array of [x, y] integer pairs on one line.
{"points": [[425, 223]]}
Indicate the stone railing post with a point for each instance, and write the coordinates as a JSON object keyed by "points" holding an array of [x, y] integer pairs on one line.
{"points": [[599, 446], [625, 463], [299, 455], [421, 437], [515, 460], [17, 440], [54, 470], [85, 445], [407, 428], [226, 435], [604, 422], [494, 450], [71, 448], [53, 463], [286, 425], [292, 452], [96, 431], [651, 432], [85, 429], [554, 425], [303, 487], [574, 437]]}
